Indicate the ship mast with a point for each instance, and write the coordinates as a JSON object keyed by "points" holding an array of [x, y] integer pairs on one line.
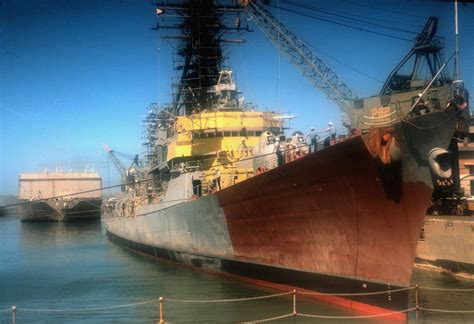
{"points": [[199, 29]]}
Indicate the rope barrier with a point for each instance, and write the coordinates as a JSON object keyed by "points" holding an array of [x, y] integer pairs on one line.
{"points": [[226, 300], [356, 294], [161, 300], [40, 310], [269, 319], [245, 299], [358, 316], [446, 289], [447, 310]]}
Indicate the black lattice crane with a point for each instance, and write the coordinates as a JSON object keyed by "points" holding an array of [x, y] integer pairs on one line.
{"points": [[300, 55], [427, 49]]}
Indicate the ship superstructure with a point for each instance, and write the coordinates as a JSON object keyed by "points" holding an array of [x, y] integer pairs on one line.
{"points": [[208, 127]]}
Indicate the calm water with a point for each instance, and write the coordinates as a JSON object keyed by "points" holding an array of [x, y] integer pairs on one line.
{"points": [[73, 266]]}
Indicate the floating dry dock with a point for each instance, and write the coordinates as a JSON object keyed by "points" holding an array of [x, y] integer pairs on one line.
{"points": [[60, 196]]}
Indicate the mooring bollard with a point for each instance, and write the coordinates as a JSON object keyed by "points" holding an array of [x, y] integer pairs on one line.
{"points": [[161, 310], [14, 314], [294, 302], [417, 306]]}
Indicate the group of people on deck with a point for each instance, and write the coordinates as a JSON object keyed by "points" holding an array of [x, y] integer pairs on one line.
{"points": [[313, 137], [298, 146], [289, 152], [293, 148]]}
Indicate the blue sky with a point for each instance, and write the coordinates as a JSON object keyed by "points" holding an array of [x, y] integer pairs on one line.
{"points": [[76, 74]]}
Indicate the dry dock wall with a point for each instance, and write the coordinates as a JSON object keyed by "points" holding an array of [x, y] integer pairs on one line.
{"points": [[448, 242]]}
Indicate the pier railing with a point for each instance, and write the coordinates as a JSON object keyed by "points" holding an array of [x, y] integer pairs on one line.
{"points": [[166, 315]]}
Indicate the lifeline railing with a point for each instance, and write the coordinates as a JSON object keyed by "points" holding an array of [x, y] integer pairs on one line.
{"points": [[417, 308]]}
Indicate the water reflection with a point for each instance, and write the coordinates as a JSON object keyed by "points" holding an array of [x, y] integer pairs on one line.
{"points": [[74, 266], [446, 298]]}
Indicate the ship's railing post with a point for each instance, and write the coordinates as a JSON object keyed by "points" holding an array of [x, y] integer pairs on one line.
{"points": [[14, 314], [161, 299], [417, 306], [294, 303]]}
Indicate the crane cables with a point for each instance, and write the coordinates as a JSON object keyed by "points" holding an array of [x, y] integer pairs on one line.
{"points": [[342, 63], [370, 21], [332, 57], [383, 9], [344, 20]]}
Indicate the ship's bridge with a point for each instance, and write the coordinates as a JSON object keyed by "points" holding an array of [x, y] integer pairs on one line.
{"points": [[220, 133]]}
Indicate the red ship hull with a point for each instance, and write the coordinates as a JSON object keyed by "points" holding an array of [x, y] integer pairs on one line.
{"points": [[326, 222], [328, 213]]}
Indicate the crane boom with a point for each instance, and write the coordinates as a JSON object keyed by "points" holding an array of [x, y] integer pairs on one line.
{"points": [[120, 167], [300, 55]]}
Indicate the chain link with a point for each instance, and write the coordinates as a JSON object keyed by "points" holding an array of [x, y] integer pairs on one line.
{"points": [[359, 316], [268, 297], [269, 319], [355, 294], [43, 310], [446, 289], [447, 310], [225, 300]]}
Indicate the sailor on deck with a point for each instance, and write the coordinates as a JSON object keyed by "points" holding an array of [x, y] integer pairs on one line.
{"points": [[332, 133], [217, 179], [279, 153], [313, 138]]}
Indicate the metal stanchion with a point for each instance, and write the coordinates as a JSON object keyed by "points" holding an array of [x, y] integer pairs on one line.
{"points": [[161, 310], [14, 314], [416, 302], [294, 303]]}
